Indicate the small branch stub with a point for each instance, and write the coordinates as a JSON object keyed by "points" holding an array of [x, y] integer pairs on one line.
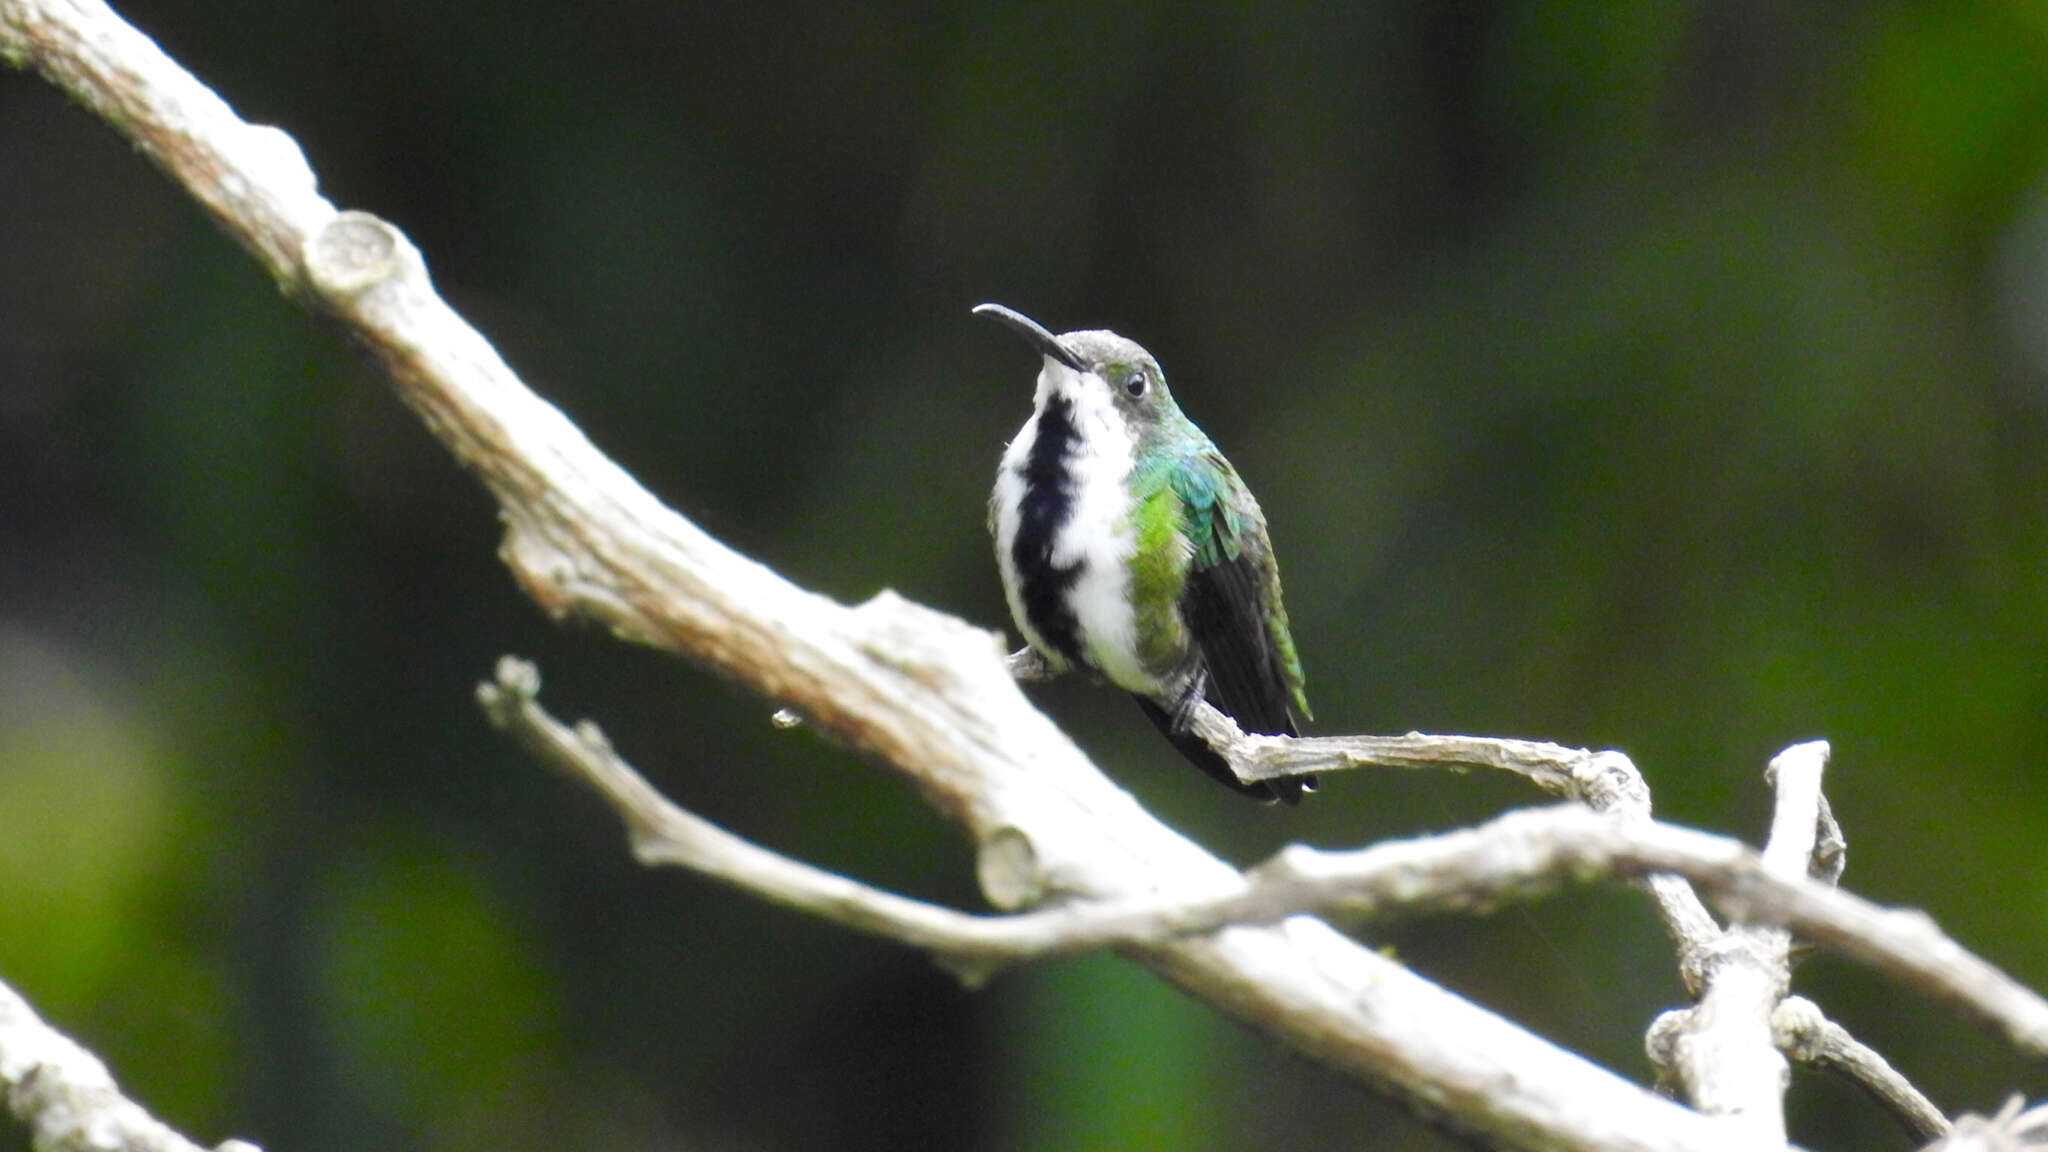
{"points": [[1008, 870], [354, 253]]}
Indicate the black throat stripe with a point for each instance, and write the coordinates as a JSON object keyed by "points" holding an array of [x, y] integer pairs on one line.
{"points": [[1047, 505]]}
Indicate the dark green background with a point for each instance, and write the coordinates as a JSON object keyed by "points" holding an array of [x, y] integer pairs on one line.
{"points": [[1660, 376]]}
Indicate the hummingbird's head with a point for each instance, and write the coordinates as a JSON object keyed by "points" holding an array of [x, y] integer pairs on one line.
{"points": [[1094, 365]]}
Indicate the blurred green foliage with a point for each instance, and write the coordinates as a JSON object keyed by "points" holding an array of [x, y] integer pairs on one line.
{"points": [[1663, 376]]}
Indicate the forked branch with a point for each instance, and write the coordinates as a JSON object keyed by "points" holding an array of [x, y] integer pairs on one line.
{"points": [[1513, 857]]}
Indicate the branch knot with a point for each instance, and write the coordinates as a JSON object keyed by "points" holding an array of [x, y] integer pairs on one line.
{"points": [[354, 253]]}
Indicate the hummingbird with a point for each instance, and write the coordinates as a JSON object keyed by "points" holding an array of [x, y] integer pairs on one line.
{"points": [[1129, 545]]}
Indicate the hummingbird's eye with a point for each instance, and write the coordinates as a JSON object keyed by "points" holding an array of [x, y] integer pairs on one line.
{"points": [[1134, 385]]}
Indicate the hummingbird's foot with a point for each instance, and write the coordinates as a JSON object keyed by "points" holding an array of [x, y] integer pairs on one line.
{"points": [[1029, 665], [1183, 715]]}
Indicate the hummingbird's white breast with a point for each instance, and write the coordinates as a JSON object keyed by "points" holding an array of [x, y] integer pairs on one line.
{"points": [[1096, 537]]}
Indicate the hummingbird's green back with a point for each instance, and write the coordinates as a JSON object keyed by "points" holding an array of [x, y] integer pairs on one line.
{"points": [[1231, 597]]}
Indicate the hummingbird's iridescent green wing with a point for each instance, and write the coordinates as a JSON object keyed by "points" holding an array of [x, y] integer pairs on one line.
{"points": [[1231, 601]]}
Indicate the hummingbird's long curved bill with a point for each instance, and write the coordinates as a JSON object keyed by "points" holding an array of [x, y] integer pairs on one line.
{"points": [[1031, 330]]}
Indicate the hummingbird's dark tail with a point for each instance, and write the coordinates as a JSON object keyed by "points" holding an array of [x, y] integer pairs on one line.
{"points": [[1286, 790]]}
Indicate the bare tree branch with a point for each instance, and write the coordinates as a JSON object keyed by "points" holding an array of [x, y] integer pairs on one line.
{"points": [[67, 1097], [909, 687], [1796, 818], [1516, 856], [1607, 781], [1721, 1052], [932, 698], [1804, 1033], [251, 178], [663, 834]]}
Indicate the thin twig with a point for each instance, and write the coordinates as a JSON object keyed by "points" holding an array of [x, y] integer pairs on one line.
{"points": [[1721, 1054], [664, 834], [1805, 1034], [1512, 857], [1807, 840], [1607, 781]]}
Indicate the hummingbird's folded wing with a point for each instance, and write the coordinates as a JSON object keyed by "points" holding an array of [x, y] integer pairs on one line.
{"points": [[1231, 601], [1223, 610]]}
